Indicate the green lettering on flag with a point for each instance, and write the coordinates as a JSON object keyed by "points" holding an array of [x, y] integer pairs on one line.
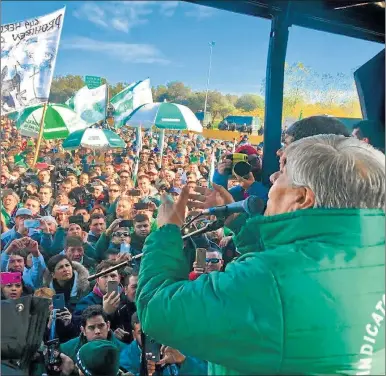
{"points": [[93, 82]]}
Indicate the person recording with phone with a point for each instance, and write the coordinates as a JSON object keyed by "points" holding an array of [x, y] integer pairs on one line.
{"points": [[64, 327], [207, 261], [162, 361], [108, 293], [13, 259], [18, 230], [117, 236]]}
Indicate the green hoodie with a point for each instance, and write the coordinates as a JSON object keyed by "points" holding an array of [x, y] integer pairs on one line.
{"points": [[306, 297]]}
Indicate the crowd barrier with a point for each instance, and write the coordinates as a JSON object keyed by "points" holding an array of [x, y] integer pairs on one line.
{"points": [[230, 136]]}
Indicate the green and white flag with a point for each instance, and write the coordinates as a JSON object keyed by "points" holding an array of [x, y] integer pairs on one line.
{"points": [[90, 104], [130, 98]]}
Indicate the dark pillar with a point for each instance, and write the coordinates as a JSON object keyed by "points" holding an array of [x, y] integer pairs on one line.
{"points": [[274, 92]]}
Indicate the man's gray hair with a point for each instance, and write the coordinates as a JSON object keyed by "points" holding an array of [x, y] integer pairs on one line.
{"points": [[10, 192], [343, 172]]}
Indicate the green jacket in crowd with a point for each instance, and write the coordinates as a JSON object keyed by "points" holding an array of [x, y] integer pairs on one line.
{"points": [[307, 296], [71, 347]]}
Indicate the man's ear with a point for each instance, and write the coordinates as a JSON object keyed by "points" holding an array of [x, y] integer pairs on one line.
{"points": [[305, 199], [82, 329], [108, 325]]}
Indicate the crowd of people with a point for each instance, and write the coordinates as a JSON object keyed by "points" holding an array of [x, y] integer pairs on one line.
{"points": [[73, 214]]}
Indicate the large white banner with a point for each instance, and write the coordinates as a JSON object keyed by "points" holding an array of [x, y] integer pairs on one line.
{"points": [[28, 56]]}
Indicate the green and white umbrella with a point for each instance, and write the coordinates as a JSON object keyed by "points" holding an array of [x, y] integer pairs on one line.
{"points": [[164, 116], [59, 121], [93, 138]]}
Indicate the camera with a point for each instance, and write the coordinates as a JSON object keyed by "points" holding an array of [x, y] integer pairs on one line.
{"points": [[20, 185], [240, 165], [82, 195], [52, 357]]}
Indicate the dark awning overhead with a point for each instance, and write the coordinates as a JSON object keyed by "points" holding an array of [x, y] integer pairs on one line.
{"points": [[358, 19]]}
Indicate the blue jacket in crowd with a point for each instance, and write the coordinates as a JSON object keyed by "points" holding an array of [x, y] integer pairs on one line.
{"points": [[12, 234], [32, 277], [131, 361]]}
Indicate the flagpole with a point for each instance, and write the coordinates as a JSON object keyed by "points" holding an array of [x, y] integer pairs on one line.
{"points": [[211, 44], [41, 129], [107, 101]]}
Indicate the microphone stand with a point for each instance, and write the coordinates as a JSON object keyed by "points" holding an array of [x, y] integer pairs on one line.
{"points": [[209, 227], [113, 268]]}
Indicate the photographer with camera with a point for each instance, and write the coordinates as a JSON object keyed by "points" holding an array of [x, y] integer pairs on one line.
{"points": [[26, 184], [249, 184]]}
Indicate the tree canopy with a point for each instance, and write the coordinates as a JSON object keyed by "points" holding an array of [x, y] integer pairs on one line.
{"points": [[306, 92]]}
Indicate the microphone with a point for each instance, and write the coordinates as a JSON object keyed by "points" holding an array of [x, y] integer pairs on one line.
{"points": [[209, 227], [251, 205], [213, 226]]}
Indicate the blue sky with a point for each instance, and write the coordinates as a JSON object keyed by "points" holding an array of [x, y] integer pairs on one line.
{"points": [[168, 40]]}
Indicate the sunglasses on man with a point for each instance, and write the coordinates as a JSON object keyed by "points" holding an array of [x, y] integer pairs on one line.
{"points": [[212, 260], [121, 234]]}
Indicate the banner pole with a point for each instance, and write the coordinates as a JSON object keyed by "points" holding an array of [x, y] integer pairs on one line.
{"points": [[107, 101], [41, 129]]}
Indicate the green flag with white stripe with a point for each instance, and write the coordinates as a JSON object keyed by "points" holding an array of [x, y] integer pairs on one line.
{"points": [[130, 98], [89, 104]]}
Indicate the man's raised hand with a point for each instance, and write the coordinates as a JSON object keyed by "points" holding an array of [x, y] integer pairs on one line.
{"points": [[206, 198]]}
